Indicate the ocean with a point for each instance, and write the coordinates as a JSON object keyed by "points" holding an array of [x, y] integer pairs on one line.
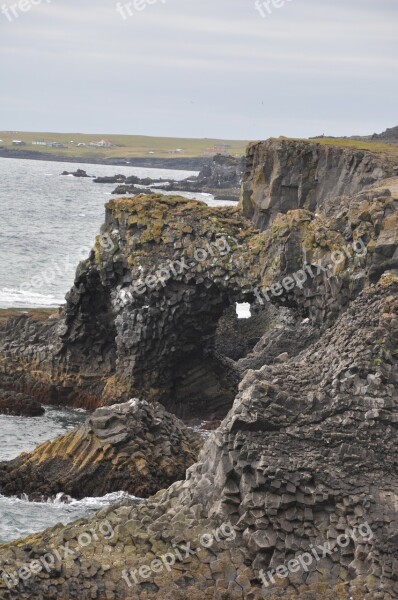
{"points": [[48, 224], [18, 516]]}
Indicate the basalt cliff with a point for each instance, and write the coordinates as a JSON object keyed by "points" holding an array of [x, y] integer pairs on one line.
{"points": [[295, 494]]}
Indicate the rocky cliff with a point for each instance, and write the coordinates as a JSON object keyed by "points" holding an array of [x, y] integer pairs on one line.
{"points": [[389, 136], [283, 175], [294, 496], [142, 316], [220, 177], [304, 465]]}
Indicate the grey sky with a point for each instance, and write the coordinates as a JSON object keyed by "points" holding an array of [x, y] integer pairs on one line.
{"points": [[201, 68]]}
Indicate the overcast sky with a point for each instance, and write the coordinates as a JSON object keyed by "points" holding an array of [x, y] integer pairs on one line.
{"points": [[201, 68]]}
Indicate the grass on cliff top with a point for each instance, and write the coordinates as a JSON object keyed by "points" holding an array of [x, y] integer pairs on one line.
{"points": [[357, 144], [127, 146]]}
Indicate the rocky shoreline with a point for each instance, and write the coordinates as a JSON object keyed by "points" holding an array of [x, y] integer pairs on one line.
{"points": [[175, 163], [133, 447], [221, 177], [293, 496]]}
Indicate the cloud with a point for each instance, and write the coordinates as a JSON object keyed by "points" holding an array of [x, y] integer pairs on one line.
{"points": [[201, 68]]}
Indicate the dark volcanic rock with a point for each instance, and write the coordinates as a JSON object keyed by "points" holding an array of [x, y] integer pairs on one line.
{"points": [[17, 404], [223, 172], [121, 190], [389, 136], [305, 459], [135, 447], [116, 340], [235, 338], [283, 175], [221, 177], [111, 179], [77, 173], [119, 335]]}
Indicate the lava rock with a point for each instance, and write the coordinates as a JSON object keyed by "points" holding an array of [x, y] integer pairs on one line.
{"points": [[20, 405]]}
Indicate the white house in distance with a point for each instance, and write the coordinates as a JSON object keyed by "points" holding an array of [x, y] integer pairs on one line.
{"points": [[101, 144]]}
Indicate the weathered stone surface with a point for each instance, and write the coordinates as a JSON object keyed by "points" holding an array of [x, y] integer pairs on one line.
{"points": [[117, 337], [283, 175], [135, 447], [17, 404], [307, 453], [77, 173], [221, 177]]}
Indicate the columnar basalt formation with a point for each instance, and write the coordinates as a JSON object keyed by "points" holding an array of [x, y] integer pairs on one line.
{"points": [[134, 447], [283, 175], [143, 313], [306, 458], [306, 455]]}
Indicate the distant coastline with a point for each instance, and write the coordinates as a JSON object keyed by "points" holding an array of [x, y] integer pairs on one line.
{"points": [[178, 162]]}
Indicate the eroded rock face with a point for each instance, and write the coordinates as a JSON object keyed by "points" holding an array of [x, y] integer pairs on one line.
{"points": [[143, 313], [306, 455], [389, 136], [221, 177], [135, 447], [13, 403], [307, 452], [283, 175], [119, 336]]}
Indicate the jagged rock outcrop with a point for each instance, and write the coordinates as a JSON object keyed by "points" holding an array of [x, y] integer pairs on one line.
{"points": [[17, 404], [135, 447], [112, 179], [305, 461], [119, 337], [335, 252], [131, 190], [283, 175], [143, 313], [221, 177], [389, 136], [301, 476], [77, 173]]}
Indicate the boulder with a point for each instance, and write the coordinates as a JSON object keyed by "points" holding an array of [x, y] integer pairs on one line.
{"points": [[134, 447], [20, 405], [77, 173]]}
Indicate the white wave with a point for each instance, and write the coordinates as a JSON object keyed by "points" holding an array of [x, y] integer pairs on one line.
{"points": [[17, 298], [19, 517], [61, 499], [94, 502]]}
